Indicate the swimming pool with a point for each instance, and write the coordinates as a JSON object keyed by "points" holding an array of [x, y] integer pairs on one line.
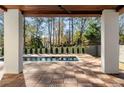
{"points": [[49, 59]]}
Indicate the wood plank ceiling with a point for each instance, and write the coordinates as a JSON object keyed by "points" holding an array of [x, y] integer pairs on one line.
{"points": [[61, 10]]}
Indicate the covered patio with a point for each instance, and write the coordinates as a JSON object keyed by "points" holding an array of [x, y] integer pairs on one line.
{"points": [[89, 72]]}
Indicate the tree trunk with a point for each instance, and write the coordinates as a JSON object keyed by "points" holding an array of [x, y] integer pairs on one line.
{"points": [[53, 31], [83, 22], [69, 32], [59, 33], [36, 38], [24, 35], [49, 30], [62, 30], [72, 30]]}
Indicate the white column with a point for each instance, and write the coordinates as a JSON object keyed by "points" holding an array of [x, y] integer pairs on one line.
{"points": [[13, 41], [110, 41]]}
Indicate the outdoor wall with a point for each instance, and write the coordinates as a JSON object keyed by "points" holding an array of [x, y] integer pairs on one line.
{"points": [[99, 50], [94, 50]]}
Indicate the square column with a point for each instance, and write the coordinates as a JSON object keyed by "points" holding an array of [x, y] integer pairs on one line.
{"points": [[110, 41], [13, 41]]}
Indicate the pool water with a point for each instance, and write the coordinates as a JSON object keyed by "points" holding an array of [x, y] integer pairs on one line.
{"points": [[49, 59]]}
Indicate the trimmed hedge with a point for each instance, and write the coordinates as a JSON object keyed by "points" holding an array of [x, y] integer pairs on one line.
{"points": [[52, 50], [36, 51], [56, 50], [78, 51], [31, 51], [82, 50], [67, 50], [72, 50], [2, 51], [40, 50], [25, 51], [62, 50], [46, 50]]}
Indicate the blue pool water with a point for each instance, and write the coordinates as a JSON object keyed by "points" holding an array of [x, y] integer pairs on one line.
{"points": [[49, 59]]}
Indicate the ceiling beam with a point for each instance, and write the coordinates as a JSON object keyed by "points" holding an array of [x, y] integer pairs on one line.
{"points": [[86, 12], [119, 7], [56, 13], [3, 8], [62, 15], [67, 11]]}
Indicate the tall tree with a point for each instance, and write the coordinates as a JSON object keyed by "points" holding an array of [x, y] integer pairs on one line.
{"points": [[69, 31], [1, 30], [33, 28], [38, 21], [62, 30], [121, 28], [83, 24], [72, 28], [93, 33], [59, 31], [56, 31], [49, 30], [121, 24], [53, 23]]}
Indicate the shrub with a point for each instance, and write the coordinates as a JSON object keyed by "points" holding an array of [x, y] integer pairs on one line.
{"points": [[78, 51], [46, 50], [82, 50], [25, 51], [36, 51], [2, 51], [67, 50], [56, 50], [72, 50], [62, 50], [31, 51], [40, 50], [51, 50]]}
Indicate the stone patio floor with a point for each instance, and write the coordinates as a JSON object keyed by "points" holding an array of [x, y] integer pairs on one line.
{"points": [[85, 73]]}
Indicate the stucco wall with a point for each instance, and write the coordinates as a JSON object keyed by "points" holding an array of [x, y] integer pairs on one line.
{"points": [[94, 50]]}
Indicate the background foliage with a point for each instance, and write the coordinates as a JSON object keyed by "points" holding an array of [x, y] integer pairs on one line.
{"points": [[45, 32]]}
